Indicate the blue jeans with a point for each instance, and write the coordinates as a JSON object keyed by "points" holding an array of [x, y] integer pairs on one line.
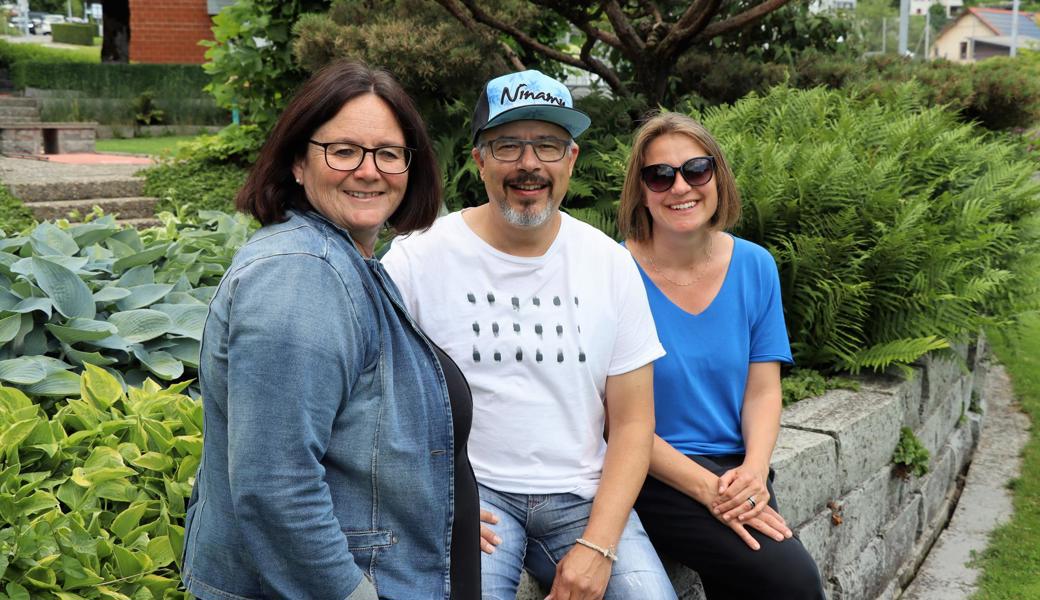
{"points": [[538, 530]]}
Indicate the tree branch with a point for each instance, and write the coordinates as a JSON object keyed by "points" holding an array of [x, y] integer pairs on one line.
{"points": [[738, 21], [582, 21], [475, 14], [630, 39], [693, 20]]}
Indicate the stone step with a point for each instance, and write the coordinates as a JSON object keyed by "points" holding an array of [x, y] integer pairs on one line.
{"points": [[6, 101], [134, 208], [20, 114], [9, 120], [112, 187]]}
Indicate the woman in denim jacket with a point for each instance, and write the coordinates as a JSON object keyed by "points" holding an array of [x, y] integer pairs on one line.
{"points": [[334, 463]]}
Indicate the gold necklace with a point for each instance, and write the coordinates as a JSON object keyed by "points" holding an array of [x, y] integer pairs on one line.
{"points": [[703, 269]]}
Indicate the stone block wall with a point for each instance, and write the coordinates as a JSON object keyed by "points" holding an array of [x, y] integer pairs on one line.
{"points": [[868, 527], [46, 138]]}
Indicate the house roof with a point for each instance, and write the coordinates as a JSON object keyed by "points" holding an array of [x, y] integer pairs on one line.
{"points": [[999, 21]]}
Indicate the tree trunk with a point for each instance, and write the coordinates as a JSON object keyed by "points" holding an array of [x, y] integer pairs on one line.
{"points": [[115, 45]]}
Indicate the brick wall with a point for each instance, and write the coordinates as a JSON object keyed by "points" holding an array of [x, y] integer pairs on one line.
{"points": [[169, 31]]}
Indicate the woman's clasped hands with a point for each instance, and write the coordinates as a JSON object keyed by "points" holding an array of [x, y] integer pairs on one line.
{"points": [[742, 499]]}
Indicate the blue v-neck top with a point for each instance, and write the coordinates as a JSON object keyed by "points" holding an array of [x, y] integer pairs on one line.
{"points": [[699, 384]]}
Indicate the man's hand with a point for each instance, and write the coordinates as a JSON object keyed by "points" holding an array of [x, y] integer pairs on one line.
{"points": [[581, 575], [488, 539]]}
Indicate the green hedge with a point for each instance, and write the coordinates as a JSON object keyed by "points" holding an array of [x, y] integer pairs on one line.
{"points": [[14, 53], [111, 80], [81, 34], [14, 216]]}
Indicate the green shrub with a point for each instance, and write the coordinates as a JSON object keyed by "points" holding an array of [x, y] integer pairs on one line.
{"points": [[910, 456], [234, 144], [185, 187], [93, 490], [14, 53], [95, 293], [81, 34], [800, 384], [896, 229], [14, 216], [112, 80]]}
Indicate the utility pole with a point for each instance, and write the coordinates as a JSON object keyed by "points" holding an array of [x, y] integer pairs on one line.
{"points": [[904, 26], [1014, 28]]}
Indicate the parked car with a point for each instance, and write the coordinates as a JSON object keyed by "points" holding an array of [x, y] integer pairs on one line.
{"points": [[49, 20], [37, 20]]}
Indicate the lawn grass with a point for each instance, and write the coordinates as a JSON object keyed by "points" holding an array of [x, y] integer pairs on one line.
{"points": [[152, 146], [1011, 564]]}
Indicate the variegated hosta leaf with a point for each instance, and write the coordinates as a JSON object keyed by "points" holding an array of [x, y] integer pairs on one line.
{"points": [[140, 325], [67, 291]]}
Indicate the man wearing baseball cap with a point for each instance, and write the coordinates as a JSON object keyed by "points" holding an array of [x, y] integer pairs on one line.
{"points": [[549, 322]]}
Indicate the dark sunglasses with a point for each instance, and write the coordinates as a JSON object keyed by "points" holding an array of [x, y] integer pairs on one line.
{"points": [[696, 171]]}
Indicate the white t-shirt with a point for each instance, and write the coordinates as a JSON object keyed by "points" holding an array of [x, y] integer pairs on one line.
{"points": [[536, 338]]}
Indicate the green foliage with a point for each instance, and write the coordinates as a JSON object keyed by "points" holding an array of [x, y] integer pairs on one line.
{"points": [[895, 228], [14, 216], [93, 489], [145, 110], [81, 34], [111, 80], [94, 293], [11, 54], [235, 144], [433, 55], [910, 456], [186, 187], [250, 62], [800, 384]]}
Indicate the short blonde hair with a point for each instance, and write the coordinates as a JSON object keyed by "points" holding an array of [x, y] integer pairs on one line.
{"points": [[633, 218]]}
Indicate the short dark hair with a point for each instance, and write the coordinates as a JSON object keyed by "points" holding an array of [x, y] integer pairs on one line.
{"points": [[271, 189], [634, 221]]}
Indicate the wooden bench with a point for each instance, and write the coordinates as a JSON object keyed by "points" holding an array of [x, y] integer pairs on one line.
{"points": [[46, 138]]}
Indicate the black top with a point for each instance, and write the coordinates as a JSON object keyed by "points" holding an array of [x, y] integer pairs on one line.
{"points": [[465, 530]]}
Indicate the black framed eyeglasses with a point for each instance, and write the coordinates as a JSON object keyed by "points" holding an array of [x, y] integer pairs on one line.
{"points": [[547, 149], [344, 156], [697, 171]]}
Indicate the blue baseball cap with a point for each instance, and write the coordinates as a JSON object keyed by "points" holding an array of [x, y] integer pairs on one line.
{"points": [[527, 95]]}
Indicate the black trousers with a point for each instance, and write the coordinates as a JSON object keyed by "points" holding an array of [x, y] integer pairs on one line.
{"points": [[685, 530]]}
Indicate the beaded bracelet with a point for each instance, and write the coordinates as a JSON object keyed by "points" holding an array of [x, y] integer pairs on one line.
{"points": [[606, 552]]}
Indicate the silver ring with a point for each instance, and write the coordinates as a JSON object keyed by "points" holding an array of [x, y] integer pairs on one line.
{"points": [[751, 499]]}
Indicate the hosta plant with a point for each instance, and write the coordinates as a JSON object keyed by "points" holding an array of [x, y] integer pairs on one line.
{"points": [[95, 293], [93, 490]]}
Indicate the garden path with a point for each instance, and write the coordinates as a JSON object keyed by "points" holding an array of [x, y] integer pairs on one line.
{"points": [[985, 502]]}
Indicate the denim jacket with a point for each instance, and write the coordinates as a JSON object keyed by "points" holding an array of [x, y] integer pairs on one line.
{"points": [[327, 471]]}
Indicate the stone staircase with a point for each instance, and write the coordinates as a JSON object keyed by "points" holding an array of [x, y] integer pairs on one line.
{"points": [[119, 196], [14, 109]]}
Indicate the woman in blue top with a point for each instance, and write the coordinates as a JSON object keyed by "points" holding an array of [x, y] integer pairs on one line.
{"points": [[716, 303]]}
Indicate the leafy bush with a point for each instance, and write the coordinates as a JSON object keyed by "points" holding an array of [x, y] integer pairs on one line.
{"points": [[896, 229], [14, 216], [185, 187], [81, 34], [800, 384], [235, 144], [94, 293], [250, 62], [93, 490], [910, 455]]}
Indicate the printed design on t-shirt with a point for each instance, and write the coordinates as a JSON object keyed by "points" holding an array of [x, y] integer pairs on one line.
{"points": [[505, 326]]}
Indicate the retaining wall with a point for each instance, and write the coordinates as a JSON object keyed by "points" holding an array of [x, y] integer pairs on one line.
{"points": [[868, 527]]}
